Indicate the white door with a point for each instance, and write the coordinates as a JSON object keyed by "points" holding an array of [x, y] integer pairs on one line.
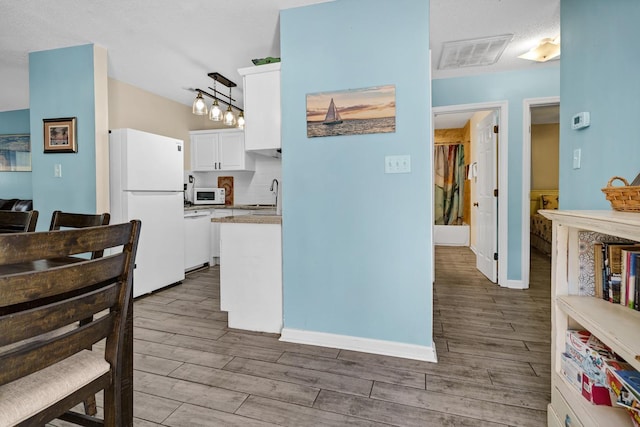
{"points": [[160, 257], [486, 204]]}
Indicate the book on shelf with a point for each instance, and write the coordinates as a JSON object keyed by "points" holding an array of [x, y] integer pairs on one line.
{"points": [[629, 257], [609, 268], [597, 267]]}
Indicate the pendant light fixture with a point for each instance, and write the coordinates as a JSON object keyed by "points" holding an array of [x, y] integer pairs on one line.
{"points": [[229, 118], [241, 120], [215, 112], [199, 106]]}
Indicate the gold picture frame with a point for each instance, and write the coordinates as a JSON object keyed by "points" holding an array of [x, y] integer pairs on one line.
{"points": [[60, 135]]}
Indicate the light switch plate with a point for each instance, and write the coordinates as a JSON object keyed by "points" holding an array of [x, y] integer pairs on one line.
{"points": [[577, 153], [57, 170], [397, 164]]}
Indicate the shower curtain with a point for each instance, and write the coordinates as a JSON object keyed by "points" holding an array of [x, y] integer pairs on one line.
{"points": [[449, 184]]}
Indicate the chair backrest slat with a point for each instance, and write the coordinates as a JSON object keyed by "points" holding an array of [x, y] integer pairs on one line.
{"points": [[31, 247], [34, 356], [18, 221], [28, 323], [63, 220], [23, 287]]}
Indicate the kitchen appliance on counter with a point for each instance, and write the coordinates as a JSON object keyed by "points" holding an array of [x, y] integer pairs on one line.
{"points": [[208, 196], [146, 174]]}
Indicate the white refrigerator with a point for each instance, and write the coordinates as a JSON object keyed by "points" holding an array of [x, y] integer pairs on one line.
{"points": [[146, 183]]}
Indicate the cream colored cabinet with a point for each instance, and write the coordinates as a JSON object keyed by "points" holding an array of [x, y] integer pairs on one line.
{"points": [[215, 229], [219, 150], [262, 108], [614, 324]]}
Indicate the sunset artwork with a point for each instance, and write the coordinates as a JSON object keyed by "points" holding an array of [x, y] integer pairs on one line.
{"points": [[352, 112]]}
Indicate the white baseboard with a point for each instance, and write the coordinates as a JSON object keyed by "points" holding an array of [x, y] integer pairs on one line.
{"points": [[367, 345], [516, 284]]}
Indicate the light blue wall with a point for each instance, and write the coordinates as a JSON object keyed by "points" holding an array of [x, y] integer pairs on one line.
{"points": [[15, 185], [61, 85], [514, 87], [356, 241], [600, 64]]}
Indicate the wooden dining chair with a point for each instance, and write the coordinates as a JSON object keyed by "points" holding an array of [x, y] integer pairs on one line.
{"points": [[18, 221], [67, 220], [45, 289], [64, 220]]}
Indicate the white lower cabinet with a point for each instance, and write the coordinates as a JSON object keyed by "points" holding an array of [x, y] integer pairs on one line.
{"points": [[215, 230], [197, 245], [251, 276]]}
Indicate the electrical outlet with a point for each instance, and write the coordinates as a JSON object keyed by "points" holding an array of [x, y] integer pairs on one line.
{"points": [[190, 179]]}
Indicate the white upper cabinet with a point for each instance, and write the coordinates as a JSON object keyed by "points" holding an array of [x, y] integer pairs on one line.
{"points": [[262, 108], [219, 150]]}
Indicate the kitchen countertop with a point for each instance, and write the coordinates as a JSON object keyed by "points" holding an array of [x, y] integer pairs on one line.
{"points": [[244, 207], [250, 219]]}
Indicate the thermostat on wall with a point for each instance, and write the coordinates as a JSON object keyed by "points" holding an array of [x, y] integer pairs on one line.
{"points": [[580, 120]]}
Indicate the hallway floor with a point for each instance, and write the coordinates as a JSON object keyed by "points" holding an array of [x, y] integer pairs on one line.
{"points": [[493, 369]]}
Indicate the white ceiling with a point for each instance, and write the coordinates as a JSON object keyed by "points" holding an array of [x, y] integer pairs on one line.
{"points": [[166, 46]]}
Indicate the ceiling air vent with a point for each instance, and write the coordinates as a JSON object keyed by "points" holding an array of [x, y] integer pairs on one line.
{"points": [[473, 52]]}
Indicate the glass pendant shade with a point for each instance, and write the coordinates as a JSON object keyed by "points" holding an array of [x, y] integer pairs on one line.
{"points": [[199, 106], [215, 113], [229, 118], [241, 120]]}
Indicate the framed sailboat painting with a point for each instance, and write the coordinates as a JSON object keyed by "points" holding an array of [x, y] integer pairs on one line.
{"points": [[352, 112]]}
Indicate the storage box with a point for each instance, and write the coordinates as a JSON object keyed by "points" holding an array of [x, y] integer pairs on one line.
{"points": [[571, 371], [591, 354]]}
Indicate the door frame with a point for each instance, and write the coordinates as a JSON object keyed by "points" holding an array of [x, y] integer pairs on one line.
{"points": [[502, 107], [527, 104]]}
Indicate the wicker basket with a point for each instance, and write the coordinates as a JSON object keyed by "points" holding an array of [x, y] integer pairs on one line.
{"points": [[623, 197]]}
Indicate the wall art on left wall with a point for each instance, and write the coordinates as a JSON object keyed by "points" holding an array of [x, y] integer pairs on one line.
{"points": [[60, 135], [15, 153]]}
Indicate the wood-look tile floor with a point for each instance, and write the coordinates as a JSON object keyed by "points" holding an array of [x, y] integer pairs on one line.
{"points": [[493, 369]]}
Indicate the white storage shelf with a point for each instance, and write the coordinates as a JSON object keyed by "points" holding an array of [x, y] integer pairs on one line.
{"points": [[615, 325]]}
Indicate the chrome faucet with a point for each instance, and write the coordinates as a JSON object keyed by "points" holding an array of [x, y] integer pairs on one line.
{"points": [[275, 184]]}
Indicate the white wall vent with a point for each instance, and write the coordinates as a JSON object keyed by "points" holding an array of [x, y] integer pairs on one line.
{"points": [[473, 52]]}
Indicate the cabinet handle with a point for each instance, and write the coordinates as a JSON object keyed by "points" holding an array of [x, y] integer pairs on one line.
{"points": [[567, 421]]}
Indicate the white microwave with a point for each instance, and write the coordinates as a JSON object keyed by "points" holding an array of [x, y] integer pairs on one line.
{"points": [[208, 196]]}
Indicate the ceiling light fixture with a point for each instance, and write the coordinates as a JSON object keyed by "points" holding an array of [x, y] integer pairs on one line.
{"points": [[215, 113], [546, 50], [199, 106], [229, 118]]}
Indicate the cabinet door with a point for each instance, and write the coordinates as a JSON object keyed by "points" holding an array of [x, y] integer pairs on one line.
{"points": [[262, 110], [231, 150], [204, 152]]}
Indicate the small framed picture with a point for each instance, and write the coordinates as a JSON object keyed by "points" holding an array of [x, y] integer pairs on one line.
{"points": [[60, 135]]}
